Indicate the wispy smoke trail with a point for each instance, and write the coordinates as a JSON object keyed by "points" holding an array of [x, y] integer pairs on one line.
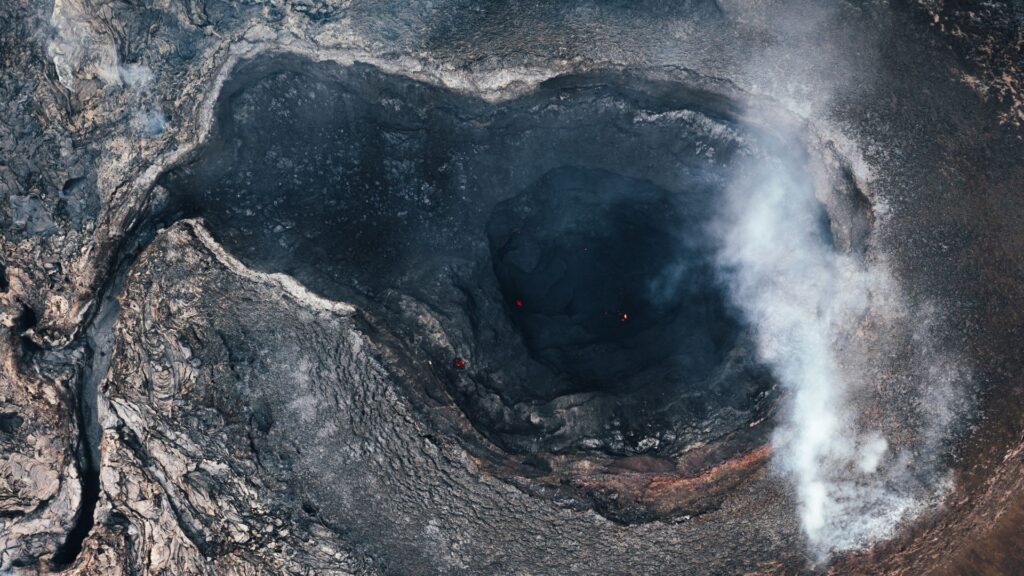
{"points": [[809, 306], [79, 50]]}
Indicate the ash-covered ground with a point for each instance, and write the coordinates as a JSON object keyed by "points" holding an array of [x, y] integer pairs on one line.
{"points": [[703, 287]]}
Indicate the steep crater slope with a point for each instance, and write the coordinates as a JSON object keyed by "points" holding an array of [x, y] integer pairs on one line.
{"points": [[544, 263]]}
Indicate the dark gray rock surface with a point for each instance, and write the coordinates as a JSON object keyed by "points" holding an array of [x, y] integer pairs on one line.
{"points": [[170, 407]]}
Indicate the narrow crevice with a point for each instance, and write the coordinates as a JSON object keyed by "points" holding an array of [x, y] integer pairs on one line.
{"points": [[26, 320], [89, 450], [68, 552], [98, 345]]}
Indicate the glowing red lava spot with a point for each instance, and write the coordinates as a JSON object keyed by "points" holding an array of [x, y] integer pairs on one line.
{"points": [[459, 363], [623, 316], [519, 303]]}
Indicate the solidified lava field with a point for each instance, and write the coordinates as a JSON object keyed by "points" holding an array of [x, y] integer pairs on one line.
{"points": [[700, 287]]}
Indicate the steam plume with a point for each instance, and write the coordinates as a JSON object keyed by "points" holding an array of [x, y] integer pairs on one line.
{"points": [[811, 308]]}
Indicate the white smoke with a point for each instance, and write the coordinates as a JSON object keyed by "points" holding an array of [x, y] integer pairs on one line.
{"points": [[80, 51], [822, 320]]}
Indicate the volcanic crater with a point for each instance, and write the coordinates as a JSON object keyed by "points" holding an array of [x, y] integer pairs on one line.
{"points": [[547, 257]]}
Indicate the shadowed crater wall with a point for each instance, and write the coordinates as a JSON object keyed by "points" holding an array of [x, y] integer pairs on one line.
{"points": [[546, 259]]}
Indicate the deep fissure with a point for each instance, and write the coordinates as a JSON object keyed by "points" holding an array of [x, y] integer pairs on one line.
{"points": [[98, 341]]}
